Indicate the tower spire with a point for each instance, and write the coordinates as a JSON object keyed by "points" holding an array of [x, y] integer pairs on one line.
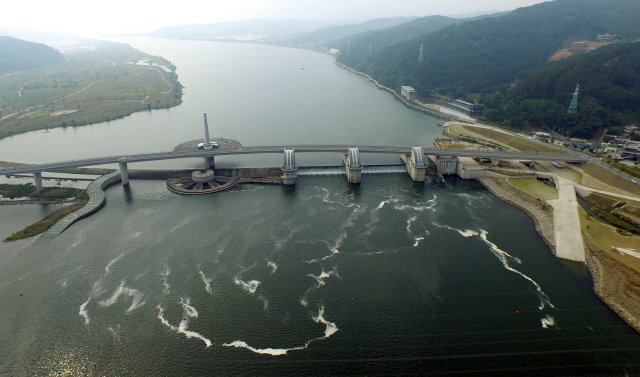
{"points": [[573, 107], [207, 140], [420, 57]]}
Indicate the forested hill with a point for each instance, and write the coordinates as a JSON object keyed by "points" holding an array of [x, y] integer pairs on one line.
{"points": [[19, 55], [332, 33], [477, 56], [380, 39], [609, 93]]}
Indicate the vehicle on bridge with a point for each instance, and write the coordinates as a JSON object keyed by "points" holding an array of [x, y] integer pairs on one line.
{"points": [[213, 144]]}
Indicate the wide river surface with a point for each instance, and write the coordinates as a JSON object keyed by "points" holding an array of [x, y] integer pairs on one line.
{"points": [[327, 278]]}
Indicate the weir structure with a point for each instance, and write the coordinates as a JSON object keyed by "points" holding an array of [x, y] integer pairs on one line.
{"points": [[289, 169], [352, 165]]}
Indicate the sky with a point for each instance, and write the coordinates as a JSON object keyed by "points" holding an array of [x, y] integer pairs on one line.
{"points": [[90, 17]]}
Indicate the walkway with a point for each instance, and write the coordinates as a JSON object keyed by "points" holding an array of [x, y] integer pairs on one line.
{"points": [[568, 235], [96, 201]]}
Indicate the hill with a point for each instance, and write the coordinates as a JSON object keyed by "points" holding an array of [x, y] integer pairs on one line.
{"points": [[328, 34], [381, 39], [609, 94], [480, 55], [19, 55], [268, 27]]}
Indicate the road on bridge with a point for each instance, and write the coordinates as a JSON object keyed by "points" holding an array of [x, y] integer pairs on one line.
{"points": [[309, 148]]}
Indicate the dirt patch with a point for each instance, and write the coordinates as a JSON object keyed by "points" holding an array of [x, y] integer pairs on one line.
{"points": [[616, 284], [559, 55], [63, 112]]}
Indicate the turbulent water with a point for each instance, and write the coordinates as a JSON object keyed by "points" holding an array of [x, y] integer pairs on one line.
{"points": [[327, 278]]}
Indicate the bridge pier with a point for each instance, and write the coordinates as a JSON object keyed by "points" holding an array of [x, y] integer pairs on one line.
{"points": [[352, 165], [124, 172], [37, 180], [289, 169], [417, 166], [209, 163]]}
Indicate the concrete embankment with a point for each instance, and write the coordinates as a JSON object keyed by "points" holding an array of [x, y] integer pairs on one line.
{"points": [[398, 96], [536, 209]]}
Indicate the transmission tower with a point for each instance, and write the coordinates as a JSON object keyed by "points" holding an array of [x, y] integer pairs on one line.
{"points": [[573, 107], [370, 49], [348, 46], [420, 57]]}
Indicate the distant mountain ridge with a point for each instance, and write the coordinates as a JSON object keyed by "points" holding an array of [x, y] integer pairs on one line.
{"points": [[327, 34], [270, 27], [20, 55]]}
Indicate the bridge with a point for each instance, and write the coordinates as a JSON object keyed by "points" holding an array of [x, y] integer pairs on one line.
{"points": [[226, 147]]}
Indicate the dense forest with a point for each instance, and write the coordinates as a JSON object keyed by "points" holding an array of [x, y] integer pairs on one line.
{"points": [[19, 55], [490, 55], [379, 40], [609, 95]]}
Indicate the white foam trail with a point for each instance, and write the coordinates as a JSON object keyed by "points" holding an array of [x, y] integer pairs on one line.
{"points": [[165, 277], [410, 221], [417, 239], [122, 289], [548, 321], [330, 329], [323, 275], [382, 203], [464, 233], [265, 302], [273, 266], [207, 282], [83, 311], [263, 351], [114, 260], [250, 287], [188, 313], [502, 256], [77, 242]]}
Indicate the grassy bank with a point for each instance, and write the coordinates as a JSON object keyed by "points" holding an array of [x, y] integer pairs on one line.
{"points": [[104, 84], [47, 193], [46, 223]]}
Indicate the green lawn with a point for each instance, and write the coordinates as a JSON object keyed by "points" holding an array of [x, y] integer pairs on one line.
{"points": [[535, 188]]}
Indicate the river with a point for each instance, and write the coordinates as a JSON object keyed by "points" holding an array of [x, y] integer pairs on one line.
{"points": [[327, 278]]}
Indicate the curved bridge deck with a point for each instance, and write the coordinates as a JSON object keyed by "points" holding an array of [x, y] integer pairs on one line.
{"points": [[96, 201]]}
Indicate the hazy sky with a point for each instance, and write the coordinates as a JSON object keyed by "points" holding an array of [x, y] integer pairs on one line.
{"points": [[91, 17]]}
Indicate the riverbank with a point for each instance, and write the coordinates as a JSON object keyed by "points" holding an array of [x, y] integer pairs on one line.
{"points": [[410, 105], [615, 280]]}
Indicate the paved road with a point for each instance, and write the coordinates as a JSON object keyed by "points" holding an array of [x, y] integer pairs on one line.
{"points": [[569, 243], [578, 157]]}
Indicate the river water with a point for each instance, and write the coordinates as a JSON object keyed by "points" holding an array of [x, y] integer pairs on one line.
{"points": [[327, 278]]}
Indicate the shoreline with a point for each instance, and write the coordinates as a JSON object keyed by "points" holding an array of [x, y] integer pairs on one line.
{"points": [[593, 264]]}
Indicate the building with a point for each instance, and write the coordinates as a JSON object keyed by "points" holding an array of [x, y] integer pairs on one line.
{"points": [[333, 51], [579, 46], [631, 150], [408, 92], [606, 37], [467, 108]]}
